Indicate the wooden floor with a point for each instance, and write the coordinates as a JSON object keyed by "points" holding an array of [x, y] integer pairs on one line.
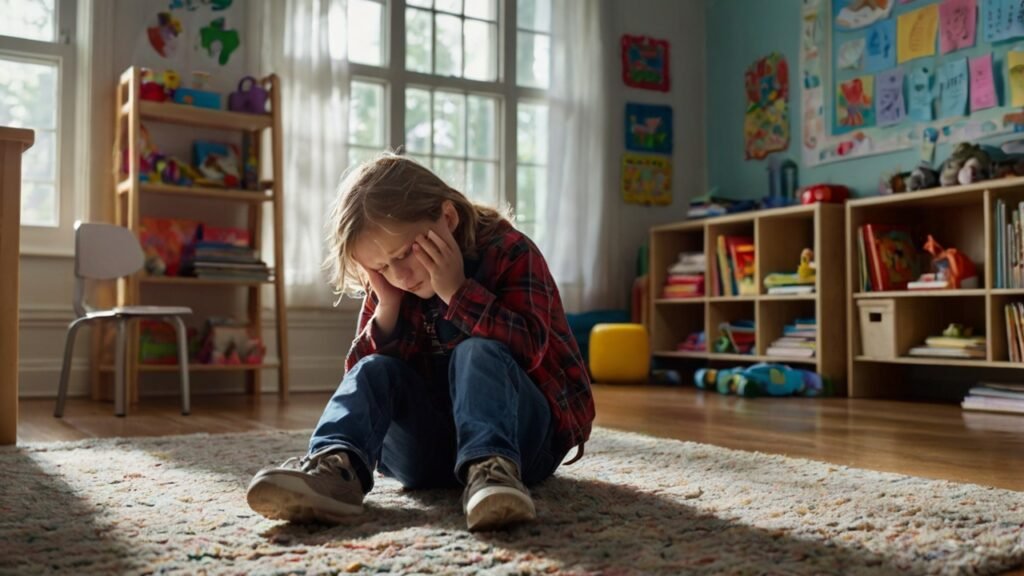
{"points": [[931, 440]]}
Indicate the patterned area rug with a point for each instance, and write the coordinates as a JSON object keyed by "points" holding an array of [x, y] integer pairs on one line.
{"points": [[633, 505]]}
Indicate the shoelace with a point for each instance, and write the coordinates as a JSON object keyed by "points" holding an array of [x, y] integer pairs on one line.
{"points": [[495, 471], [315, 465]]}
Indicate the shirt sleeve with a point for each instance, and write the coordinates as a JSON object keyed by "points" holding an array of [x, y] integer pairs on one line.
{"points": [[518, 314], [369, 340]]}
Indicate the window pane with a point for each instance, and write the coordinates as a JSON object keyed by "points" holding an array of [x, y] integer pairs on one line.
{"points": [[31, 19], [365, 21], [532, 133], [423, 160], [453, 172], [481, 51], [531, 192], [534, 15], [449, 124], [482, 183], [38, 204], [419, 40], [483, 9], [417, 120], [449, 45], [28, 94], [423, 3], [359, 155], [532, 60], [453, 6], [366, 114], [483, 133], [40, 161]]}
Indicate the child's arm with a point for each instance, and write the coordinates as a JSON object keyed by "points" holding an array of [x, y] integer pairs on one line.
{"points": [[371, 339]]}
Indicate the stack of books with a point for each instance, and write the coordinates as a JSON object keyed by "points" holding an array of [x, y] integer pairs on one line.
{"points": [[972, 347], [1015, 330], [738, 337], [694, 343], [1009, 245], [223, 260], [995, 398], [799, 340], [686, 276], [734, 275], [710, 205]]}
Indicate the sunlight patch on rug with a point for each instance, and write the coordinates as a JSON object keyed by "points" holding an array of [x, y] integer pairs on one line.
{"points": [[633, 505]]}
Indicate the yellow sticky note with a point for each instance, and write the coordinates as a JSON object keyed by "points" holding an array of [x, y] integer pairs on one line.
{"points": [[1015, 64], [916, 32]]}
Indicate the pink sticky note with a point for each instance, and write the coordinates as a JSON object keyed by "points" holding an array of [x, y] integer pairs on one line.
{"points": [[983, 88], [957, 22]]}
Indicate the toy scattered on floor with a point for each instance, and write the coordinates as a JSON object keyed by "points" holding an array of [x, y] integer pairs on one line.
{"points": [[824, 193], [951, 268], [761, 380], [251, 99], [802, 282], [619, 353]]}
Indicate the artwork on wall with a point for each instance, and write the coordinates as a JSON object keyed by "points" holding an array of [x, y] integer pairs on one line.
{"points": [[947, 84], [645, 62], [163, 37], [648, 128], [199, 39], [647, 179], [766, 125]]}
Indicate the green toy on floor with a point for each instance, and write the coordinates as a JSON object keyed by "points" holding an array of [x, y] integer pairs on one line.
{"points": [[761, 380]]}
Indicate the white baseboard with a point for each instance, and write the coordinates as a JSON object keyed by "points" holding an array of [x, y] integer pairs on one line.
{"points": [[318, 341]]}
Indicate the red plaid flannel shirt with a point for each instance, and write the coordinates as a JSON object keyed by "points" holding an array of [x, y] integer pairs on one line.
{"points": [[509, 297]]}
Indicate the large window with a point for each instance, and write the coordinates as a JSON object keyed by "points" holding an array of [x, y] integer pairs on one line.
{"points": [[460, 86], [36, 73]]}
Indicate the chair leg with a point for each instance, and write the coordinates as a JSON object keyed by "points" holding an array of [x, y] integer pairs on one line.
{"points": [[65, 370], [179, 326], [120, 394]]}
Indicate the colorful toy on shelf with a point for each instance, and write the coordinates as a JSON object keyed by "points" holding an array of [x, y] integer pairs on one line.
{"points": [[735, 337], [218, 163], [227, 341], [951, 268], [806, 275], [250, 164], [158, 87], [251, 99], [199, 98], [922, 178], [157, 167], [761, 380], [824, 193]]}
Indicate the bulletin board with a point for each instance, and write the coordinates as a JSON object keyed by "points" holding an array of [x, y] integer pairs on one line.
{"points": [[884, 75]]}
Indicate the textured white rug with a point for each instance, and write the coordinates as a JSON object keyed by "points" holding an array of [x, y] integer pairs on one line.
{"points": [[633, 505]]}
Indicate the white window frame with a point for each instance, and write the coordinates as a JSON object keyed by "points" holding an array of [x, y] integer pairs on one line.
{"points": [[396, 79], [45, 240]]}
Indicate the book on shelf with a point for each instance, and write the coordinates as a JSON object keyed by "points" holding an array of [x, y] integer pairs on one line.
{"points": [[798, 340], [1009, 244], [741, 254], [689, 263], [783, 352], [791, 290], [725, 276], [890, 256], [942, 352], [952, 342]]}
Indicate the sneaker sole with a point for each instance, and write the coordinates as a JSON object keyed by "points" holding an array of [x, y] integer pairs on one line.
{"points": [[285, 497], [498, 507]]}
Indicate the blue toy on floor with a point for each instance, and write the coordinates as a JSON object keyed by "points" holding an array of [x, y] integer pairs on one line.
{"points": [[761, 380]]}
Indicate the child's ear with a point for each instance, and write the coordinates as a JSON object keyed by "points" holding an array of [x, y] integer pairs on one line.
{"points": [[450, 215]]}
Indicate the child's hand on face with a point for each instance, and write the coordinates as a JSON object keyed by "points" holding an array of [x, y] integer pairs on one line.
{"points": [[441, 256], [388, 296]]}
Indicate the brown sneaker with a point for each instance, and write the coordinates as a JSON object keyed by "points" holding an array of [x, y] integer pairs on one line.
{"points": [[494, 496], [321, 487]]}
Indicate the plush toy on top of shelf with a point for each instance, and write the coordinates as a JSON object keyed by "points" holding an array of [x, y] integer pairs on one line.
{"points": [[251, 100], [158, 87]]}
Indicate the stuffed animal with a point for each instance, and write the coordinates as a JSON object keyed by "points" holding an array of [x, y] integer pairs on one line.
{"points": [[968, 163], [922, 178], [761, 380]]}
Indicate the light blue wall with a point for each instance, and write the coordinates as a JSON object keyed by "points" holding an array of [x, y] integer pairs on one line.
{"points": [[738, 33]]}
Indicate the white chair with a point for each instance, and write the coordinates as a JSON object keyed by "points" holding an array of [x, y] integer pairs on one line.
{"points": [[106, 252]]}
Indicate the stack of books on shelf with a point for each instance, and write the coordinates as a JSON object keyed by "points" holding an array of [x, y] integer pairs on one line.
{"points": [[223, 261], [1009, 245], [971, 347], [799, 340], [737, 337], [734, 274], [995, 398], [710, 205], [686, 276], [887, 257], [695, 342], [1015, 330]]}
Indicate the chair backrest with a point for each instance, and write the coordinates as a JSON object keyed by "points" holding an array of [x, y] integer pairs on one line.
{"points": [[103, 252]]}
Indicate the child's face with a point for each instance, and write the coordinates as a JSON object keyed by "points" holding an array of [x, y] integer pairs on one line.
{"points": [[389, 252]]}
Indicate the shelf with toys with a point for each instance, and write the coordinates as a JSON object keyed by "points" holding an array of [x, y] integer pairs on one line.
{"points": [[762, 286], [936, 279], [195, 182]]}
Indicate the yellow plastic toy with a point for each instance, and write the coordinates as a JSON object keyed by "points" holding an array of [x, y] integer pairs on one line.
{"points": [[619, 353]]}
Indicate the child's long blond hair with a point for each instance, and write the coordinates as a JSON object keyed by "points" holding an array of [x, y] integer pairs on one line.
{"points": [[393, 188]]}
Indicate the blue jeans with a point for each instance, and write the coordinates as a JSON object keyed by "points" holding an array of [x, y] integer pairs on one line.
{"points": [[424, 434]]}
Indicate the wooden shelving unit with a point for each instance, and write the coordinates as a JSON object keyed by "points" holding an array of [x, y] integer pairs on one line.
{"points": [[779, 236], [962, 217], [131, 111]]}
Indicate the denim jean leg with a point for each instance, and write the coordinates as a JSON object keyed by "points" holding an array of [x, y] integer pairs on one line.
{"points": [[498, 410], [359, 414]]}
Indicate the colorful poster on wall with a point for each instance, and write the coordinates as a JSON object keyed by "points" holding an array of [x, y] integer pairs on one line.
{"points": [[1003, 20], [916, 33], [854, 104], [851, 54], [646, 179], [1015, 68], [648, 128], [890, 108], [983, 86], [953, 82], [958, 22], [766, 126], [921, 95], [645, 62], [219, 41], [855, 14], [164, 35], [880, 51]]}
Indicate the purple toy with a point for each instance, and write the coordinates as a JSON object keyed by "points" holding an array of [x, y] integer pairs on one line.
{"points": [[252, 100]]}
